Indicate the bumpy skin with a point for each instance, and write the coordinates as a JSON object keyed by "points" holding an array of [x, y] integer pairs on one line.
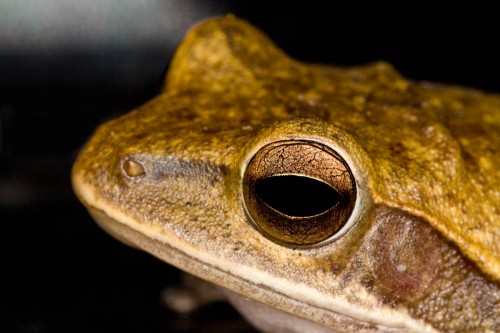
{"points": [[426, 242]]}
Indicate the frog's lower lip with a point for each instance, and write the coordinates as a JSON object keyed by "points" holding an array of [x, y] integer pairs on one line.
{"points": [[261, 292]]}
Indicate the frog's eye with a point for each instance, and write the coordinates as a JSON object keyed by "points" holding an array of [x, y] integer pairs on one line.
{"points": [[298, 192]]}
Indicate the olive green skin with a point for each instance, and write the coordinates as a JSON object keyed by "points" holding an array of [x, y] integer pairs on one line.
{"points": [[426, 240]]}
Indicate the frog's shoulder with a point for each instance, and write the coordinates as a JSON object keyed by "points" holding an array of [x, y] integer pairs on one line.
{"points": [[472, 118], [453, 177]]}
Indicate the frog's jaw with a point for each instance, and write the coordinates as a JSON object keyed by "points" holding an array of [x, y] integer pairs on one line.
{"points": [[299, 300], [265, 297]]}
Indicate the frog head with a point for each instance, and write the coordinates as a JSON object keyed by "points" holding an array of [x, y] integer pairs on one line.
{"points": [[336, 199]]}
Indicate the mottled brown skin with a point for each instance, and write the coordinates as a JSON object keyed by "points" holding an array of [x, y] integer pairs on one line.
{"points": [[425, 158]]}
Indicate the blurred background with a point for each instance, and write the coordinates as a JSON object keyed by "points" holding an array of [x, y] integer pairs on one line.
{"points": [[66, 66]]}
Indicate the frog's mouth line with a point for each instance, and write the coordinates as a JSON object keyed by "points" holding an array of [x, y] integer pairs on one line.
{"points": [[268, 290]]}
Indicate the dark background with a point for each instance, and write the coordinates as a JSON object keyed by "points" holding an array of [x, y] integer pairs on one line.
{"points": [[66, 68]]}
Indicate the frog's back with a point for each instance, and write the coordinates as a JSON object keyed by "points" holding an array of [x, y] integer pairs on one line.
{"points": [[436, 152]]}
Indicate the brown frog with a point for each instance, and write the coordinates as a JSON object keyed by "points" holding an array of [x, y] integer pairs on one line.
{"points": [[324, 199]]}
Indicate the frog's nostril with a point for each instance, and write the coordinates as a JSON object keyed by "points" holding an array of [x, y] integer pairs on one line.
{"points": [[297, 196], [132, 168], [298, 192]]}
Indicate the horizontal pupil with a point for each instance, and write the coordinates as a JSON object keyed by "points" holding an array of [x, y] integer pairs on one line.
{"points": [[297, 196]]}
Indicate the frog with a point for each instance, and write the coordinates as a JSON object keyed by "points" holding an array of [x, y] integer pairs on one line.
{"points": [[319, 198]]}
